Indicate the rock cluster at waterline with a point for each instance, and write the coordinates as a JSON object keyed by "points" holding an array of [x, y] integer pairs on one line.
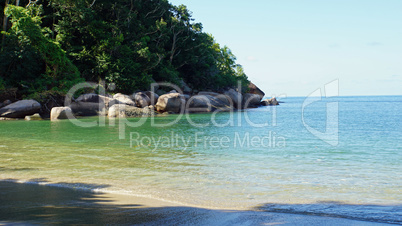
{"points": [[270, 102], [145, 103]]}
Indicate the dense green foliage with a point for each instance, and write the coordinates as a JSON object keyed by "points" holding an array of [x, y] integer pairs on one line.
{"points": [[26, 34], [51, 44]]}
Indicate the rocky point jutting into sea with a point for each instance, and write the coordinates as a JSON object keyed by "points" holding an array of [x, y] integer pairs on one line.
{"points": [[144, 103]]}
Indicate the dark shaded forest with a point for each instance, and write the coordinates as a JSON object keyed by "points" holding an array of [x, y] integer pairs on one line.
{"points": [[50, 45]]}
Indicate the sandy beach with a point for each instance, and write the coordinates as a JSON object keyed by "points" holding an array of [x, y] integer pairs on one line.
{"points": [[37, 204]]}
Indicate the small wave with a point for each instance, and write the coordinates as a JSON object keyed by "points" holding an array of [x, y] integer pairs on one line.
{"points": [[375, 213], [95, 188]]}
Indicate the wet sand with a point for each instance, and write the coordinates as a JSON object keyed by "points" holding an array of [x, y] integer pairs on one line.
{"points": [[38, 204]]}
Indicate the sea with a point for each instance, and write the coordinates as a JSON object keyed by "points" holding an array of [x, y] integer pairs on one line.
{"points": [[335, 156]]}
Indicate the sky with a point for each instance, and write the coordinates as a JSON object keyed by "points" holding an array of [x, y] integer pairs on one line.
{"points": [[293, 47]]}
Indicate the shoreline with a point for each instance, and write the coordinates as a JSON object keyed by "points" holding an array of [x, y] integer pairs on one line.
{"points": [[32, 202], [357, 180]]}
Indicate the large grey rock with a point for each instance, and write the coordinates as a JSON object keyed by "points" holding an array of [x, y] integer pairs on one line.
{"points": [[122, 111], [20, 109], [253, 89], [222, 97], [152, 96], [89, 97], [235, 97], [120, 98], [94, 98], [251, 100], [60, 113], [92, 104], [207, 103], [142, 99], [88, 108], [171, 102], [270, 102]]}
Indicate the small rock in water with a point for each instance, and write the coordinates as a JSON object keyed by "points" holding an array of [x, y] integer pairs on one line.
{"points": [[33, 117]]}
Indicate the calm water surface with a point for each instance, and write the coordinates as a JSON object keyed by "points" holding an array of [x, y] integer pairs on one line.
{"points": [[265, 157]]}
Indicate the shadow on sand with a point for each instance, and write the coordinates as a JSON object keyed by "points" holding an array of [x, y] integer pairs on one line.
{"points": [[31, 203]]}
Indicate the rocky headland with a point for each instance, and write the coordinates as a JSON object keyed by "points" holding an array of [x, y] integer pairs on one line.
{"points": [[139, 104]]}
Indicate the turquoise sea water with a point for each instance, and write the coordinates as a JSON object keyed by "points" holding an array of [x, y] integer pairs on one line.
{"points": [[339, 156]]}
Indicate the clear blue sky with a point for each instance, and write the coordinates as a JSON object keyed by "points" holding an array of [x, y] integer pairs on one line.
{"points": [[294, 47]]}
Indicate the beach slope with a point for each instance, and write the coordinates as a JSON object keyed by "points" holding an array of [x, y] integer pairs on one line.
{"points": [[37, 204]]}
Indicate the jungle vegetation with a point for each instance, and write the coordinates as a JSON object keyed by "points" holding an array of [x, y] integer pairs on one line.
{"points": [[50, 45]]}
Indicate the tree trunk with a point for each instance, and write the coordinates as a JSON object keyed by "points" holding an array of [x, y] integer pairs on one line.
{"points": [[4, 25], [173, 47]]}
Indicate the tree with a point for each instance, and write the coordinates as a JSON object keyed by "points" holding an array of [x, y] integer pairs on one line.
{"points": [[27, 35]]}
